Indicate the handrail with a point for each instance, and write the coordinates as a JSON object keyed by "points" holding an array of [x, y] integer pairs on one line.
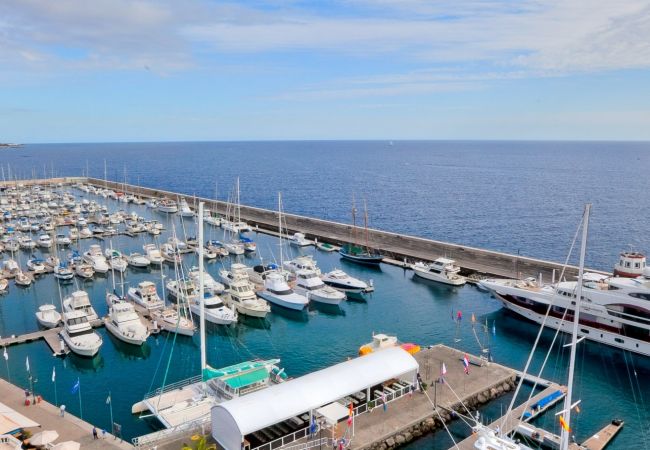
{"points": [[170, 387], [157, 437]]}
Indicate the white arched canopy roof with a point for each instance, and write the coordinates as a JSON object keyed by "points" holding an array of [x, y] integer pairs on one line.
{"points": [[234, 419]]}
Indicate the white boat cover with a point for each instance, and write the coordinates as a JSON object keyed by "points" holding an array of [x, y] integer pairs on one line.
{"points": [[234, 419]]}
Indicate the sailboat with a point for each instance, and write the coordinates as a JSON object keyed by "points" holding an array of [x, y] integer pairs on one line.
{"points": [[356, 252]]}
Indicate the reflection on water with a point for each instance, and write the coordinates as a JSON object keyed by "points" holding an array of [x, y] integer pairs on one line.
{"points": [[86, 365]]}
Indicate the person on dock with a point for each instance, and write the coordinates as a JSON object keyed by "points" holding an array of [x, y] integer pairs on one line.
{"points": [[95, 433], [62, 410]]}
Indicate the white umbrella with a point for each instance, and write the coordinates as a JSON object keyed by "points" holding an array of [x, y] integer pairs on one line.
{"points": [[44, 437], [67, 445]]}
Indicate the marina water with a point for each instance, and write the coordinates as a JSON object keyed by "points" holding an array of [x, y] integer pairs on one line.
{"points": [[508, 196]]}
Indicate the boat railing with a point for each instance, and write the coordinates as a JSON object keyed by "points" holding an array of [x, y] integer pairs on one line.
{"points": [[320, 443], [283, 441], [173, 386], [157, 438]]}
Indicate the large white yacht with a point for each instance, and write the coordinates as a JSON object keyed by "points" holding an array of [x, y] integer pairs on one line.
{"points": [[442, 270], [240, 294], [152, 253], [277, 291], [344, 282], [125, 324], [167, 206], [78, 335], [79, 301], [215, 311], [614, 310], [145, 295], [305, 262], [96, 259], [309, 284]]}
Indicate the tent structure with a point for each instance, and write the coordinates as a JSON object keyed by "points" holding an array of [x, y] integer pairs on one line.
{"points": [[12, 421], [236, 418]]}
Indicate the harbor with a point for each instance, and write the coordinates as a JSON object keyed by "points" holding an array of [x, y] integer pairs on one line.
{"points": [[401, 425]]}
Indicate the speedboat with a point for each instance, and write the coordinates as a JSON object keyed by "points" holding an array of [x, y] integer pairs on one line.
{"points": [[36, 265], [311, 286], [214, 309], [62, 272], [146, 296], [152, 253], [442, 270], [209, 284], [62, 239], [344, 282], [79, 301], [125, 324], [298, 239], [47, 316], [137, 260], [277, 291], [302, 263], [167, 206], [170, 320], [44, 241], [78, 335], [84, 270], [95, 258]]}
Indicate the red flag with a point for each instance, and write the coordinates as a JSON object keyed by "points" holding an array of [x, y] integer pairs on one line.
{"points": [[350, 414], [564, 424]]}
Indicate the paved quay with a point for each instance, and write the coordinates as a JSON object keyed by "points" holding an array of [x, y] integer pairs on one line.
{"points": [[70, 427]]}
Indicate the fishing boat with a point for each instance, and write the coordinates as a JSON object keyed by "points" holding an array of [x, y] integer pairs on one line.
{"points": [[241, 297], [79, 301], [309, 284], [125, 324], [170, 320], [442, 270], [47, 316], [340, 280], [79, 335], [146, 296], [138, 260]]}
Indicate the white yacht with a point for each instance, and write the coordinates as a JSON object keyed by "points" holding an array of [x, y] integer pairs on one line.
{"points": [[96, 259], [79, 301], [167, 206], [152, 253], [241, 297], [305, 262], [44, 241], [47, 316], [36, 265], [138, 260], [170, 320], [116, 261], [309, 284], [125, 324], [611, 311], [84, 270], [237, 270], [214, 309], [146, 296], [78, 335], [344, 282], [62, 239], [442, 270], [298, 239], [25, 242], [277, 291], [209, 284], [63, 272]]}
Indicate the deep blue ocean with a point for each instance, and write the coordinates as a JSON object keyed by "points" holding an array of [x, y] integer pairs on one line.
{"points": [[524, 197]]}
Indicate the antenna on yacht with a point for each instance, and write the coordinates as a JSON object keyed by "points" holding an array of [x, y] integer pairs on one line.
{"points": [[564, 442], [201, 291]]}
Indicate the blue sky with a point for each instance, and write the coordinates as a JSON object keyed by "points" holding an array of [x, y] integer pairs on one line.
{"points": [[119, 70]]}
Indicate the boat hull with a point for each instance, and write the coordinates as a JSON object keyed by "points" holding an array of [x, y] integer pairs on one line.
{"points": [[423, 273], [280, 301], [370, 260], [119, 335]]}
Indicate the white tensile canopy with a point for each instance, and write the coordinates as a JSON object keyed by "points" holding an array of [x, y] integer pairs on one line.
{"points": [[11, 420], [234, 419]]}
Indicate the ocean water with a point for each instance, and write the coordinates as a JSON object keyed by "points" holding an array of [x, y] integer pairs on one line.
{"points": [[505, 196]]}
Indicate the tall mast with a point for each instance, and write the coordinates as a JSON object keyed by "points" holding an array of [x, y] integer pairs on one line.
{"points": [[564, 443], [280, 225], [201, 291], [365, 222], [105, 178]]}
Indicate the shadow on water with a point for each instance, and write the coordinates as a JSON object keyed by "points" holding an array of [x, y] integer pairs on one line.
{"points": [[324, 308], [260, 323], [290, 314], [437, 289], [86, 365], [130, 351], [371, 268]]}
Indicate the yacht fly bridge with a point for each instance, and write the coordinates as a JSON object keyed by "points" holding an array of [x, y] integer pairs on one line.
{"points": [[323, 402]]}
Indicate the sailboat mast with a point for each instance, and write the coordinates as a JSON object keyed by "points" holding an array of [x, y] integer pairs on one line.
{"points": [[201, 290], [365, 222], [564, 443], [280, 226]]}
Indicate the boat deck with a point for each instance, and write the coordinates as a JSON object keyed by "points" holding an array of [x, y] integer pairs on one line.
{"points": [[178, 406]]}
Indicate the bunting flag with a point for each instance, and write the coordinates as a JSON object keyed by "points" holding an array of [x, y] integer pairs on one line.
{"points": [[27, 363], [75, 387], [350, 414], [53, 374], [564, 424], [466, 364]]}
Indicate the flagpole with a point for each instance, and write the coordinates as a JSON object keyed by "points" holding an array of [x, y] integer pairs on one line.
{"points": [[56, 399], [6, 357], [110, 405], [81, 414]]}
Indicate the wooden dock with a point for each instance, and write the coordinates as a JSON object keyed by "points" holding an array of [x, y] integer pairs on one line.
{"points": [[601, 439]]}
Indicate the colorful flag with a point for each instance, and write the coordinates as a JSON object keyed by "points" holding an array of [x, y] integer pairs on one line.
{"points": [[459, 316], [350, 414], [564, 424], [75, 387], [466, 364], [312, 426], [53, 374], [27, 363]]}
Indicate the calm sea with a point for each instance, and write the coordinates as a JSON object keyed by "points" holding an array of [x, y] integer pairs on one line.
{"points": [[507, 196]]}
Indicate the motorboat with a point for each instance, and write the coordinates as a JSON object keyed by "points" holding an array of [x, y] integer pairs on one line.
{"points": [[21, 279], [62, 272], [208, 253], [249, 245], [214, 309], [340, 280], [298, 240], [79, 335], [216, 247], [170, 320], [79, 301], [309, 284], [145, 295], [381, 341], [44, 241], [47, 316], [85, 233], [152, 253], [234, 247], [209, 284], [306, 262], [277, 291], [125, 324], [442, 270], [167, 206], [241, 297], [26, 243], [138, 260], [36, 265], [169, 254], [96, 259], [73, 234], [325, 247], [116, 261], [84, 270], [184, 209], [62, 239], [4, 285], [177, 244], [12, 245], [237, 270]]}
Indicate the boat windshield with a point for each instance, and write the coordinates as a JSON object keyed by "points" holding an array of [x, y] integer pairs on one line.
{"points": [[283, 292], [80, 333]]}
